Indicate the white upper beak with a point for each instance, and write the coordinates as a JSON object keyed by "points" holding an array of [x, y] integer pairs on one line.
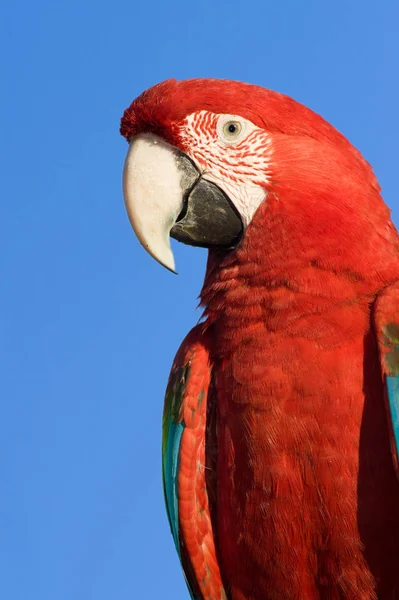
{"points": [[153, 194]]}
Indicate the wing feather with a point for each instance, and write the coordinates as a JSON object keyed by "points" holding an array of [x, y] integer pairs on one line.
{"points": [[184, 480], [386, 318]]}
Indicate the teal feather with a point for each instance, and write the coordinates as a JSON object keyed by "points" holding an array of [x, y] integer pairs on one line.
{"points": [[170, 471], [172, 431], [393, 400]]}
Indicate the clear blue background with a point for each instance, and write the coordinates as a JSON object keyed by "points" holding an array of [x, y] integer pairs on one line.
{"points": [[89, 323]]}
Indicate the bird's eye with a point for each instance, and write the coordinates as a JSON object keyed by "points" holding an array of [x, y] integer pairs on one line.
{"points": [[231, 130]]}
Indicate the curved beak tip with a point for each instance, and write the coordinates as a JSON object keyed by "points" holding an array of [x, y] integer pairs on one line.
{"points": [[163, 255], [153, 195]]}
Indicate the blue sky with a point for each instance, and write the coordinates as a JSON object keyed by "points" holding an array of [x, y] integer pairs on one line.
{"points": [[89, 324]]}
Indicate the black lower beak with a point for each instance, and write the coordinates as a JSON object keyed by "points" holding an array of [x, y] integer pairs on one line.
{"points": [[208, 217]]}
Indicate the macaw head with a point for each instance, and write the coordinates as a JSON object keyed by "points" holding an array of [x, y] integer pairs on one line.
{"points": [[208, 159]]}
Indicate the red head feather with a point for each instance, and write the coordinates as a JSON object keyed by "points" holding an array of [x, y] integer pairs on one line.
{"points": [[164, 105], [329, 193]]}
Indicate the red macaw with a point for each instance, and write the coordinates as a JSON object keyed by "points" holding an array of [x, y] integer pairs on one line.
{"points": [[281, 421]]}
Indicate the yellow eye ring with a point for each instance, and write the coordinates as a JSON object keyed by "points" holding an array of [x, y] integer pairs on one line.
{"points": [[232, 130]]}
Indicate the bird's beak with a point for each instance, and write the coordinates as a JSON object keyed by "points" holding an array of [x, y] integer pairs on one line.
{"points": [[166, 196]]}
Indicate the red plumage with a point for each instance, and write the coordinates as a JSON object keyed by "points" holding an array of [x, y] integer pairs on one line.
{"points": [[304, 496]]}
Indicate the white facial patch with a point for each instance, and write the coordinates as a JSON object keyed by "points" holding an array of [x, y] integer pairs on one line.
{"points": [[232, 153]]}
